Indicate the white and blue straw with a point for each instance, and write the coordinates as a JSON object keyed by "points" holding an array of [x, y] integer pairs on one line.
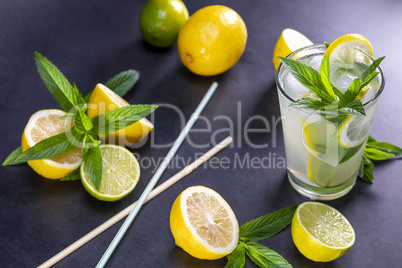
{"points": [[157, 175]]}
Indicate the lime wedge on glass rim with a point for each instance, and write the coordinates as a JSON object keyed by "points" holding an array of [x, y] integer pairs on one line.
{"points": [[120, 174]]}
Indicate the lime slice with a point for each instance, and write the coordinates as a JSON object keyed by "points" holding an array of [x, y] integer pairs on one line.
{"points": [[353, 131], [320, 232], [120, 174]]}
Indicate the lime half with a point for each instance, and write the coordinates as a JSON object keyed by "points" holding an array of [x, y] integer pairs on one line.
{"points": [[320, 232], [120, 174]]}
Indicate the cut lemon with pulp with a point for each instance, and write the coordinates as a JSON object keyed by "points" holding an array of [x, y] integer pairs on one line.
{"points": [[103, 100], [203, 224], [320, 232], [42, 125], [289, 41], [120, 174]]}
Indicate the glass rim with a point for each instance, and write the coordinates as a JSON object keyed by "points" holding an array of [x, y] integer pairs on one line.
{"points": [[282, 91]]}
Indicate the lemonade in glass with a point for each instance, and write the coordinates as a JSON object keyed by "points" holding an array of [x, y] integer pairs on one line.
{"points": [[324, 147]]}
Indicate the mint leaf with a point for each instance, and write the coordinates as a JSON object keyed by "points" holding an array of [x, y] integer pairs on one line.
{"points": [[325, 76], [349, 153], [265, 257], [352, 92], [237, 259], [73, 176], [66, 95], [384, 146], [326, 45], [123, 82], [49, 148], [355, 107], [372, 67], [71, 114], [120, 118], [12, 157], [375, 154], [366, 172], [308, 77], [309, 103], [92, 160], [82, 123], [267, 225]]}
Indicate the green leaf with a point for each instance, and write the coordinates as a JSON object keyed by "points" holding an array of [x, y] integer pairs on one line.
{"points": [[310, 103], [376, 154], [352, 92], [123, 82], [237, 259], [349, 153], [82, 122], [372, 67], [70, 115], [66, 95], [325, 76], [92, 160], [265, 257], [73, 176], [267, 225], [326, 45], [308, 77], [366, 173], [355, 107], [120, 118], [384, 146], [49, 148], [12, 157]]}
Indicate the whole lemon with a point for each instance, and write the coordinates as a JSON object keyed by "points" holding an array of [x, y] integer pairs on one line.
{"points": [[212, 40], [161, 21]]}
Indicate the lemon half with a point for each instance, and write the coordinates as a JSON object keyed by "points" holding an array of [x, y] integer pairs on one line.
{"points": [[42, 125], [203, 224], [103, 100]]}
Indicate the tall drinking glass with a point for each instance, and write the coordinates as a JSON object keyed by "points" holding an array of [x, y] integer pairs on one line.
{"points": [[324, 149]]}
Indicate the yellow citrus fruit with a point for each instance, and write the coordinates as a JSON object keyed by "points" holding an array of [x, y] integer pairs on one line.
{"points": [[345, 46], [161, 21], [203, 224], [289, 41], [212, 40], [120, 174], [103, 100], [44, 124], [320, 232]]}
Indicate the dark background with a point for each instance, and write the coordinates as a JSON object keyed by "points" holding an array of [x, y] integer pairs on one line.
{"points": [[90, 41]]}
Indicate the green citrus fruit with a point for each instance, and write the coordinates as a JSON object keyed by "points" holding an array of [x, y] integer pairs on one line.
{"points": [[161, 21]]}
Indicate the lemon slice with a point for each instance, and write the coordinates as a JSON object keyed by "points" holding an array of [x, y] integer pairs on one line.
{"points": [[120, 174], [353, 131], [42, 125], [320, 232], [289, 41], [346, 45], [103, 100], [203, 224]]}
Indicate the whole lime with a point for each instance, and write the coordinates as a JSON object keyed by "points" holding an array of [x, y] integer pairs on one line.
{"points": [[161, 21]]}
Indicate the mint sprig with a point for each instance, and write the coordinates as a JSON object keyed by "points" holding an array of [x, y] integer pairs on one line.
{"points": [[376, 151], [256, 230], [84, 131], [319, 83], [66, 95]]}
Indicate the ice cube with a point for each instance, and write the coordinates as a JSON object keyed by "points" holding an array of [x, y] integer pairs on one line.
{"points": [[293, 88]]}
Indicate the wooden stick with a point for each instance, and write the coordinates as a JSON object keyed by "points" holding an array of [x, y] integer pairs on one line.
{"points": [[185, 171]]}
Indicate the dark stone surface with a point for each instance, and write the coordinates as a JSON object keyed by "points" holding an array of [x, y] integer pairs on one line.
{"points": [[90, 41]]}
